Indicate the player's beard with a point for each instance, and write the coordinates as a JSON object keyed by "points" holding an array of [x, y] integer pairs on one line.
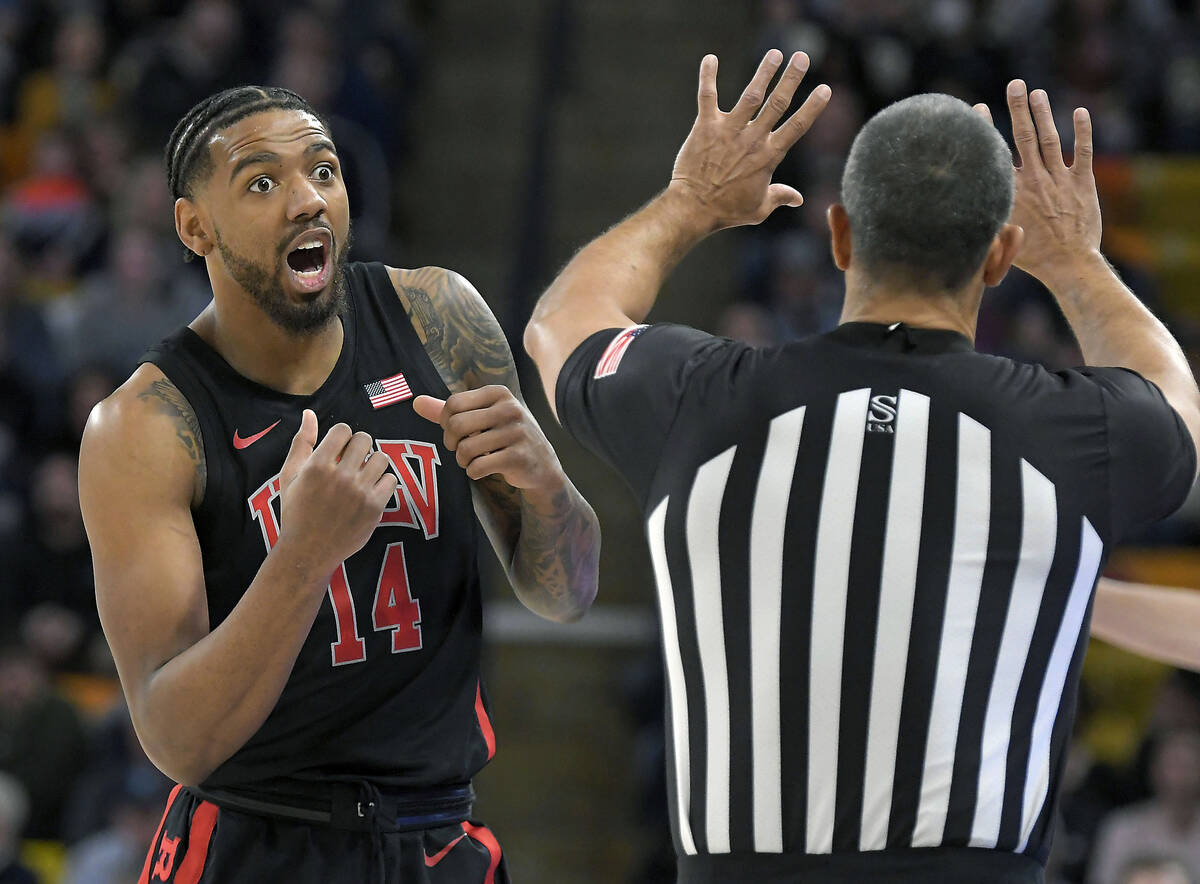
{"points": [[263, 285]]}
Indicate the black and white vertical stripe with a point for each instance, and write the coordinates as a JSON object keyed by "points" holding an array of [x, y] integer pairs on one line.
{"points": [[897, 679]]}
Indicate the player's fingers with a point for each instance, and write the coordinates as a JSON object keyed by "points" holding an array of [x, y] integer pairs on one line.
{"points": [[468, 423], [334, 442], [357, 450], [1083, 142], [801, 121], [429, 407], [983, 111], [756, 89], [375, 465], [781, 96], [483, 444], [1024, 135], [305, 439], [384, 488], [487, 465], [1048, 142], [706, 97], [469, 400]]}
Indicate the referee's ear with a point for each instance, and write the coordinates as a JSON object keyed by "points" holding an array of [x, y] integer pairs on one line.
{"points": [[839, 230], [1002, 253]]}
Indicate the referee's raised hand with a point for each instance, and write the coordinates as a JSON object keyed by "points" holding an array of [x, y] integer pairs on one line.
{"points": [[726, 163], [1056, 204]]}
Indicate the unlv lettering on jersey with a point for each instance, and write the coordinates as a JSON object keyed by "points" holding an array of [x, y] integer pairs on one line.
{"points": [[414, 504], [395, 609]]}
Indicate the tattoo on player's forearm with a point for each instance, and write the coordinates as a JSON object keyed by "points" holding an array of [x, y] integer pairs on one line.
{"points": [[460, 334], [172, 403], [560, 549]]}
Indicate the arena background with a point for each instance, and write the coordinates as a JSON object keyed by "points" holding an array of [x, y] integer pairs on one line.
{"points": [[496, 138]]}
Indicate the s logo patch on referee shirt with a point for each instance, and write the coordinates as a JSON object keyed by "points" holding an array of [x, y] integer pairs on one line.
{"points": [[610, 360]]}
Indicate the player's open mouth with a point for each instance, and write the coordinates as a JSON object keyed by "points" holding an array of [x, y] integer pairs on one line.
{"points": [[309, 260]]}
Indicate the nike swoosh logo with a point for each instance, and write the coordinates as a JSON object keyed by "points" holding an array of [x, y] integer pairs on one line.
{"points": [[431, 861], [239, 442]]}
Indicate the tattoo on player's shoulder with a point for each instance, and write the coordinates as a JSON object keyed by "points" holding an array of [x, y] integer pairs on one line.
{"points": [[459, 332], [172, 403]]}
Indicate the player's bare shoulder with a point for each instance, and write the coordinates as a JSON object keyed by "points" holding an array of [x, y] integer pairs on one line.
{"points": [[459, 330], [145, 431]]}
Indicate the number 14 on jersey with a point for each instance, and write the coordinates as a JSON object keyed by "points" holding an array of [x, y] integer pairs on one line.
{"points": [[394, 608]]}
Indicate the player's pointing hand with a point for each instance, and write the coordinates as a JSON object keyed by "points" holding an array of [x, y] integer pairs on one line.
{"points": [[491, 432], [724, 167]]}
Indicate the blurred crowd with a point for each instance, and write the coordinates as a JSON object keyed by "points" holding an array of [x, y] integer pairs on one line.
{"points": [[91, 272]]}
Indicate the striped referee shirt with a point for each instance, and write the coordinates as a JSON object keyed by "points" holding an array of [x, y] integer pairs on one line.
{"points": [[874, 552]]}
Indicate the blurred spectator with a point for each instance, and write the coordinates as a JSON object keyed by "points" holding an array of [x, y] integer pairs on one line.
{"points": [[88, 385], [1168, 823], [42, 741], [141, 296], [51, 215], [119, 767], [1154, 870], [116, 854], [49, 570], [185, 60], [14, 810]]}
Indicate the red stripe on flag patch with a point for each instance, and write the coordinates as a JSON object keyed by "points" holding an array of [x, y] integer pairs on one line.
{"points": [[387, 391], [615, 352]]}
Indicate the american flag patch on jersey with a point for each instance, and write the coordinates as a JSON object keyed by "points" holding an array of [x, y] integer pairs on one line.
{"points": [[616, 351], [387, 391]]}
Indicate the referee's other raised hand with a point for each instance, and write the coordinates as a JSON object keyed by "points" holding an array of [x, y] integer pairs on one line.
{"points": [[725, 166], [1055, 204]]}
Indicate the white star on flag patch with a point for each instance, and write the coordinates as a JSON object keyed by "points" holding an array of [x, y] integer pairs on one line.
{"points": [[610, 360], [388, 391]]}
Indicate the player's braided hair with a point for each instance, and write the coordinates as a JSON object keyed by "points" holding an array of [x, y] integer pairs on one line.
{"points": [[187, 156]]}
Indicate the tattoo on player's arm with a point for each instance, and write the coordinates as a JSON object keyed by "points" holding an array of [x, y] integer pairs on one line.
{"points": [[169, 401], [559, 548], [459, 331]]}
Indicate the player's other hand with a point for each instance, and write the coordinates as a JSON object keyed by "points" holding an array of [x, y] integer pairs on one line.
{"points": [[724, 167], [1056, 204], [333, 493], [491, 432]]}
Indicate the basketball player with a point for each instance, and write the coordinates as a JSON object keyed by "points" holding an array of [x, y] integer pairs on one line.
{"points": [[281, 503], [875, 549]]}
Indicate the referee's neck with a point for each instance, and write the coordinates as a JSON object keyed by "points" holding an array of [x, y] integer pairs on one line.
{"points": [[917, 308]]}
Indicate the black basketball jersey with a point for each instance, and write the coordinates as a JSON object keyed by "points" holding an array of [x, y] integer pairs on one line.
{"points": [[874, 552], [386, 686]]}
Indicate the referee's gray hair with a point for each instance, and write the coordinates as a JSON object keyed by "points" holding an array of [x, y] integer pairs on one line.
{"points": [[927, 186]]}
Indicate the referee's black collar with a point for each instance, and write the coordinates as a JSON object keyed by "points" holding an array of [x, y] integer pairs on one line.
{"points": [[898, 337]]}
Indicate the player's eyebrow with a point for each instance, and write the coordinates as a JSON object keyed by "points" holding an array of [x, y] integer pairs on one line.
{"points": [[264, 156], [318, 146]]}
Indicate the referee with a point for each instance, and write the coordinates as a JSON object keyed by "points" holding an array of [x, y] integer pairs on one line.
{"points": [[875, 549]]}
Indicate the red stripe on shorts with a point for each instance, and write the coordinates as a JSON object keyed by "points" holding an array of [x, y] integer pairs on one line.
{"points": [[145, 878], [485, 837], [485, 724], [204, 820]]}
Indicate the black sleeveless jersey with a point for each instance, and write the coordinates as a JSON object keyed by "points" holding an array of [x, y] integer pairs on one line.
{"points": [[386, 687]]}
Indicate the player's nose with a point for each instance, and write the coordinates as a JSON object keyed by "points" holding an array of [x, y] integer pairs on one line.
{"points": [[305, 200]]}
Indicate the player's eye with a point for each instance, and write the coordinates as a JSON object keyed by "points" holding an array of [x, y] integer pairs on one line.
{"points": [[323, 172], [262, 184]]}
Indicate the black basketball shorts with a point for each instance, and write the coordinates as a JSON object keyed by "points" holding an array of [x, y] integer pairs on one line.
{"points": [[198, 842]]}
